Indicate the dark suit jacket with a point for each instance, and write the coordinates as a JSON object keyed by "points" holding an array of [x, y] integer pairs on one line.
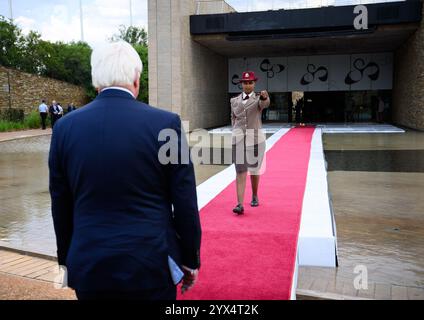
{"points": [[118, 212]]}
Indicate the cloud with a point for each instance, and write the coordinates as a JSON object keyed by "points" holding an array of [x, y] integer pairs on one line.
{"points": [[61, 25], [102, 19], [26, 24], [106, 16]]}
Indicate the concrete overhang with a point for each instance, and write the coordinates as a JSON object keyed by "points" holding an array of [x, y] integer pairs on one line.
{"points": [[327, 30]]}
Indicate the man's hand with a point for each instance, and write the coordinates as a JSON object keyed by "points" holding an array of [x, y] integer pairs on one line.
{"points": [[264, 94], [189, 279]]}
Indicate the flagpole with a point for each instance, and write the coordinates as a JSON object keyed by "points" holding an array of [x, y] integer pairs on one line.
{"points": [[11, 10], [131, 14], [81, 21]]}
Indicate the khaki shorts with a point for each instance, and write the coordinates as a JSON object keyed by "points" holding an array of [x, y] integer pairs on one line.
{"points": [[248, 158]]}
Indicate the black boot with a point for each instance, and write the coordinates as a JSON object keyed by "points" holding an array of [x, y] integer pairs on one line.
{"points": [[238, 209]]}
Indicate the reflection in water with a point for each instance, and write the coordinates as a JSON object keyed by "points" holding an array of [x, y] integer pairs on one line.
{"points": [[25, 210], [379, 215], [376, 160], [391, 248], [25, 220], [378, 204]]}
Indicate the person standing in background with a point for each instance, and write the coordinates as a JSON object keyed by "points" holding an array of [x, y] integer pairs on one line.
{"points": [[71, 107], [54, 111], [60, 112], [43, 109]]}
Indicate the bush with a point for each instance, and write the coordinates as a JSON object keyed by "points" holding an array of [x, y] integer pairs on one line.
{"points": [[30, 121], [10, 126]]}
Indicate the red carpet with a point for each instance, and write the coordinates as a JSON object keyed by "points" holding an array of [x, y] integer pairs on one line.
{"points": [[252, 257]]}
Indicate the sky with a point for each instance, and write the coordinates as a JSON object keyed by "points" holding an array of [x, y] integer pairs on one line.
{"points": [[59, 20]]}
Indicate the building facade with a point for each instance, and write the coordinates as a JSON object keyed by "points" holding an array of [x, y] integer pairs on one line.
{"points": [[316, 63]]}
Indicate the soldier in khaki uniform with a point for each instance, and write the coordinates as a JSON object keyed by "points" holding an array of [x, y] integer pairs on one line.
{"points": [[248, 139]]}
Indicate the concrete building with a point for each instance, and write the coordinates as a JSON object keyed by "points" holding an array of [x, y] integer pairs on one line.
{"points": [[343, 71]]}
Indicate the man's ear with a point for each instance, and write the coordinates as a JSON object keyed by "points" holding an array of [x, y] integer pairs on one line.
{"points": [[137, 86], [137, 83]]}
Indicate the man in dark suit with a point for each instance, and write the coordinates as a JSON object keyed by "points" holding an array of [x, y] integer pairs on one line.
{"points": [[54, 111], [127, 224]]}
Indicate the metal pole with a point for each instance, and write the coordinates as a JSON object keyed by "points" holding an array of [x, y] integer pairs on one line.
{"points": [[11, 10], [131, 14], [10, 91], [81, 20]]}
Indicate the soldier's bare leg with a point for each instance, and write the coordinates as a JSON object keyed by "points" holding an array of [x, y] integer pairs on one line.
{"points": [[241, 186], [254, 179]]}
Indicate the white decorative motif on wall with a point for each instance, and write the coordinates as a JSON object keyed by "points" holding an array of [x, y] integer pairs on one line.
{"points": [[316, 73]]}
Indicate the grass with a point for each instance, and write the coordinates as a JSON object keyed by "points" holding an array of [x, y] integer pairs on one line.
{"points": [[10, 126], [31, 121]]}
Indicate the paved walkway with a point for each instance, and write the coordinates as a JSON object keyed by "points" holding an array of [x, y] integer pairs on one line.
{"points": [[13, 135], [25, 277], [360, 127], [328, 283]]}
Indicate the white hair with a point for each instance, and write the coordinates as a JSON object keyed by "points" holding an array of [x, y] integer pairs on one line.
{"points": [[115, 64]]}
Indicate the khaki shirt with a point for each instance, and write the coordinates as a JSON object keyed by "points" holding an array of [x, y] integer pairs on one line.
{"points": [[246, 119]]}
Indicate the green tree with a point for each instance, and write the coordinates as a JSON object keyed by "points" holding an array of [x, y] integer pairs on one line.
{"points": [[69, 62], [77, 58], [31, 60], [11, 44], [144, 81], [133, 35]]}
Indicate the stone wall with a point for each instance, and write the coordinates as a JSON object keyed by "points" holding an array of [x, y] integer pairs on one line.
{"points": [[27, 90], [408, 86]]}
